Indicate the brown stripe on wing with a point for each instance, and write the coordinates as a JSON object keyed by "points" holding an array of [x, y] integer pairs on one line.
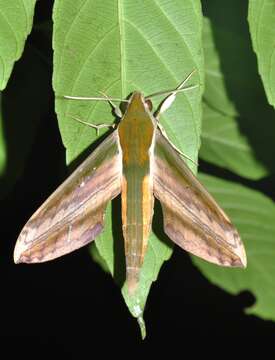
{"points": [[69, 236], [192, 218], [73, 215]]}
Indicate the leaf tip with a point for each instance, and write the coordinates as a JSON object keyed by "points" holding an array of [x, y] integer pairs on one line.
{"points": [[142, 327], [138, 313]]}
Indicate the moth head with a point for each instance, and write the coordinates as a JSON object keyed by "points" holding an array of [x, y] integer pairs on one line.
{"points": [[137, 98]]}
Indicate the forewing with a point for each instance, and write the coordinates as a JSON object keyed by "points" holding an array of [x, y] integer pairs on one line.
{"points": [[192, 218], [73, 215]]}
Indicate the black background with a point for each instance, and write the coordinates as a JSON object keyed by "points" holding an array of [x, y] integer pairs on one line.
{"points": [[70, 306]]}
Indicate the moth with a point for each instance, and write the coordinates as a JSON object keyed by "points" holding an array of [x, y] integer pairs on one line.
{"points": [[138, 162]]}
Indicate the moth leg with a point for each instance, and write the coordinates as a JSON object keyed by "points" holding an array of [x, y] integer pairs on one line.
{"points": [[165, 104], [116, 109], [97, 127], [163, 132]]}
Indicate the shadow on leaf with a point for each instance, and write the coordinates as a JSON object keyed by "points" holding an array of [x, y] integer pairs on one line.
{"points": [[242, 80]]}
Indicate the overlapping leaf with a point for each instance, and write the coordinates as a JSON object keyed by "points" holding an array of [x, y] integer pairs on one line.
{"points": [[261, 17], [253, 214], [224, 145], [229, 134], [15, 23]]}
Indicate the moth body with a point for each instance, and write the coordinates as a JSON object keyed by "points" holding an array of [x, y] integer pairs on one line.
{"points": [[136, 136]]}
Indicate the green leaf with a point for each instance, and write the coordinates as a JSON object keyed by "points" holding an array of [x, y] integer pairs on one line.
{"points": [[224, 145], [117, 47], [109, 253], [226, 139], [253, 214], [261, 18], [215, 93], [15, 23]]}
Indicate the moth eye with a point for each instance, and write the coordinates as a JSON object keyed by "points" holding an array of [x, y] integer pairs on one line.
{"points": [[149, 104]]}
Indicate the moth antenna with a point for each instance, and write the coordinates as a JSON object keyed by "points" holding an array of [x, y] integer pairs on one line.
{"points": [[96, 98], [179, 88]]}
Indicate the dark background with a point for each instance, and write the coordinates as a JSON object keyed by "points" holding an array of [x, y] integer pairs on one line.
{"points": [[70, 306]]}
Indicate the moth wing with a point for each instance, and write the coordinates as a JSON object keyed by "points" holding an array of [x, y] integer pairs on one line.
{"points": [[74, 214], [192, 218]]}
